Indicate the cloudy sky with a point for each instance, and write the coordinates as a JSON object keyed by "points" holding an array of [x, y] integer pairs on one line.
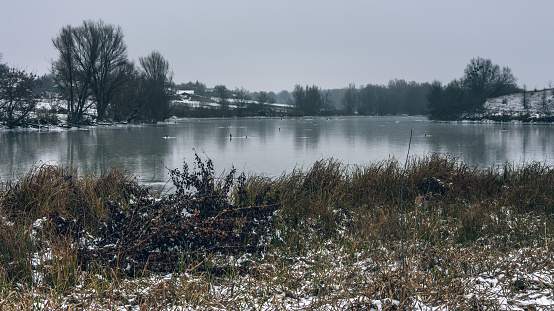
{"points": [[273, 45]]}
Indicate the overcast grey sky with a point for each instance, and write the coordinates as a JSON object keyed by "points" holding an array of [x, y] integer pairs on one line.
{"points": [[273, 45]]}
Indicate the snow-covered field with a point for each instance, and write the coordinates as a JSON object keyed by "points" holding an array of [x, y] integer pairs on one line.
{"points": [[328, 277], [331, 279], [529, 106]]}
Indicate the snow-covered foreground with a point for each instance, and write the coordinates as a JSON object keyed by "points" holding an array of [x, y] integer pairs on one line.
{"points": [[331, 278], [471, 240]]}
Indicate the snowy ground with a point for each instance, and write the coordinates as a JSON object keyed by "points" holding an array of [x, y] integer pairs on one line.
{"points": [[329, 279], [534, 105]]}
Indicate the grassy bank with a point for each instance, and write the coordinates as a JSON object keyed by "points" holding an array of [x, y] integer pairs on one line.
{"points": [[435, 233]]}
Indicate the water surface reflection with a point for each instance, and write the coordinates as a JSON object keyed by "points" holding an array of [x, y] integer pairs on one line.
{"points": [[271, 146]]}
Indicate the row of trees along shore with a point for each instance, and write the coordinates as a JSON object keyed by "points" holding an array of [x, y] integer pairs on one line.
{"points": [[481, 80], [92, 71], [93, 74]]}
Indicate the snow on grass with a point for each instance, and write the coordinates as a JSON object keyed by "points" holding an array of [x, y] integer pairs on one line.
{"points": [[531, 105], [329, 278]]}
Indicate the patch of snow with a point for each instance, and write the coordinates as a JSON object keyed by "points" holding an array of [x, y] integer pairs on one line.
{"points": [[531, 105]]}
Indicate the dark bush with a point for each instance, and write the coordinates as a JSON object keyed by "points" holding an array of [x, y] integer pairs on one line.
{"points": [[198, 218]]}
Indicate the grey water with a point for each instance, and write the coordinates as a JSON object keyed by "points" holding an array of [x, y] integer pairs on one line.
{"points": [[271, 146]]}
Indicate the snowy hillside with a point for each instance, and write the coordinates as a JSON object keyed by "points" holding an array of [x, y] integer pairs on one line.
{"points": [[532, 106]]}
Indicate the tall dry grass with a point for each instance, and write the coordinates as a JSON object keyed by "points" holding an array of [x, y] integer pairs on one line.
{"points": [[49, 208], [335, 234]]}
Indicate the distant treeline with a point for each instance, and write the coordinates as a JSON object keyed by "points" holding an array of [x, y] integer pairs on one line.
{"points": [[481, 80], [397, 97], [92, 79]]}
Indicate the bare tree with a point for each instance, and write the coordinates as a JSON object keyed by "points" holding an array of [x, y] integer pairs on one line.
{"points": [[298, 97], [223, 94], [111, 67], [350, 99], [156, 78], [326, 100], [72, 73], [365, 100], [373, 100], [242, 97], [263, 98], [92, 61], [311, 100], [483, 79], [156, 68], [17, 95], [125, 101]]}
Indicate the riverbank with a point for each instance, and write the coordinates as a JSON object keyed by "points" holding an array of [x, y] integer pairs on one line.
{"points": [[49, 114], [530, 107], [437, 234]]}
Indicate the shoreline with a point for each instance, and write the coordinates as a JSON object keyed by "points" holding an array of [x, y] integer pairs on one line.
{"points": [[473, 119]]}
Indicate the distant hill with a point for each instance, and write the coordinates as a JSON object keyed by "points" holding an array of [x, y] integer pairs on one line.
{"points": [[530, 106]]}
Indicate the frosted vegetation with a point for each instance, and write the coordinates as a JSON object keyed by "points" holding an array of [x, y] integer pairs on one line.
{"points": [[425, 235], [528, 106]]}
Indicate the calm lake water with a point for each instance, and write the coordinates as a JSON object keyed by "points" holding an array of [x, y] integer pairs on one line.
{"points": [[271, 146]]}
